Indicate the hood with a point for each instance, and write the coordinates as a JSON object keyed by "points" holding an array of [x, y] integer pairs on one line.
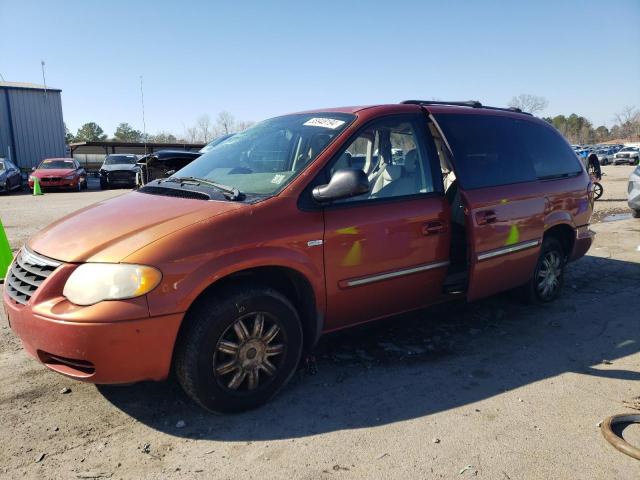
{"points": [[111, 230], [52, 172], [120, 167]]}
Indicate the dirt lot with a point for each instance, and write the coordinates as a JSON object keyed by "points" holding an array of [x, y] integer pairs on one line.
{"points": [[494, 389]]}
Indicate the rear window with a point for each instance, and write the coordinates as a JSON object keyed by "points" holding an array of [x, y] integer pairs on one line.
{"points": [[498, 150], [545, 148], [485, 149]]}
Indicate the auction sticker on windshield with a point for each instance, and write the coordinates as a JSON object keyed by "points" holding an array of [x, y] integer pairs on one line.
{"points": [[331, 123]]}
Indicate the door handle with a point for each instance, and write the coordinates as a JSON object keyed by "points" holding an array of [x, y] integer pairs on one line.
{"points": [[433, 228], [486, 217]]}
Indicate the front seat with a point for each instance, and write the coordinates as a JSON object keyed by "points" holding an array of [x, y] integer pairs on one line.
{"points": [[398, 180]]}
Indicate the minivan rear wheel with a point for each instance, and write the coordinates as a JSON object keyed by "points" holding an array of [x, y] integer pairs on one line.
{"points": [[548, 276], [238, 348]]}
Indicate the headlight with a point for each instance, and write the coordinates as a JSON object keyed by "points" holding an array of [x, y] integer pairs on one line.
{"points": [[94, 282], [32, 179], [70, 177]]}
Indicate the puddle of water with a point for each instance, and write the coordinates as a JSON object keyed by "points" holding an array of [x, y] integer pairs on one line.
{"points": [[616, 216]]}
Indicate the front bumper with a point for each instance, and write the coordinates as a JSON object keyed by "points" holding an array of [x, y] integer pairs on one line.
{"points": [[117, 178], [109, 342], [56, 184]]}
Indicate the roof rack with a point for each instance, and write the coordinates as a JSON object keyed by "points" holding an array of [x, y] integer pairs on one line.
{"points": [[468, 103]]}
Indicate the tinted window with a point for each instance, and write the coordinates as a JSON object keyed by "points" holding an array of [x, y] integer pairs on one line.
{"points": [[549, 153], [485, 149]]}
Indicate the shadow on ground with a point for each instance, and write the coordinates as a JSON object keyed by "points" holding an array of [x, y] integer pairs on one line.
{"points": [[434, 360]]}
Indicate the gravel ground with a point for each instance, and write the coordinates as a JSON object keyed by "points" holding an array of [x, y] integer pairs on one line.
{"points": [[491, 390]]}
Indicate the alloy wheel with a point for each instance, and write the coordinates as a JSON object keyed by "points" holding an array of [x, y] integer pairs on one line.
{"points": [[248, 353], [549, 275]]}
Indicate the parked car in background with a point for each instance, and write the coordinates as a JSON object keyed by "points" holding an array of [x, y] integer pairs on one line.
{"points": [[605, 156], [10, 176], [119, 170], [634, 192], [59, 173], [627, 156], [163, 163], [226, 272]]}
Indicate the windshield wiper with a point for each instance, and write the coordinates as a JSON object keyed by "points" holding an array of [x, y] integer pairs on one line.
{"points": [[230, 193]]}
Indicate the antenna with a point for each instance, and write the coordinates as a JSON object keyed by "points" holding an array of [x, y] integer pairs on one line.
{"points": [[144, 123], [44, 80]]}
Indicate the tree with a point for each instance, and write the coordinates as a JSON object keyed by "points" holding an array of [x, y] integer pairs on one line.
{"points": [[628, 121], [204, 129], [90, 132], [68, 136], [602, 134], [529, 103], [163, 137], [126, 133], [225, 123]]}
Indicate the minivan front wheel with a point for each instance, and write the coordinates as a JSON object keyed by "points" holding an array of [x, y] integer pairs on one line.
{"points": [[548, 277], [238, 349]]}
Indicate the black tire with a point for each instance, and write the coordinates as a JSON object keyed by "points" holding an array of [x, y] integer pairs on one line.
{"points": [[534, 291], [211, 326], [103, 186], [635, 213]]}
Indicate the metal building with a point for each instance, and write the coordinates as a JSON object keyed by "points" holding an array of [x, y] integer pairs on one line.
{"points": [[31, 125]]}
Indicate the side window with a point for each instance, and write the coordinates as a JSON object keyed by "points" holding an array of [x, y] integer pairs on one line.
{"points": [[550, 155], [485, 149], [392, 156]]}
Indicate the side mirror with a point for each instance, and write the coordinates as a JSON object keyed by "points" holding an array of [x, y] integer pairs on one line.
{"points": [[170, 172], [344, 183], [33, 169]]}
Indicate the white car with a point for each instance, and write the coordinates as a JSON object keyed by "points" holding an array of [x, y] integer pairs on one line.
{"points": [[634, 192], [627, 155], [605, 156]]}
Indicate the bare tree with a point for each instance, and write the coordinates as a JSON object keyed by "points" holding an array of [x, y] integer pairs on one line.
{"points": [[225, 123], [204, 128], [529, 103], [192, 135], [629, 121]]}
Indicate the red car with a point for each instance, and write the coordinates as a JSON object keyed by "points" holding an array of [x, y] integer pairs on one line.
{"points": [[231, 268], [59, 173]]}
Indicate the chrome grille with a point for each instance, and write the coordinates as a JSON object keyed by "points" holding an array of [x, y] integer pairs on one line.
{"points": [[27, 273]]}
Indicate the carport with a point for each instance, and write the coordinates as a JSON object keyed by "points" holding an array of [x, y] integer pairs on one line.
{"points": [[91, 154]]}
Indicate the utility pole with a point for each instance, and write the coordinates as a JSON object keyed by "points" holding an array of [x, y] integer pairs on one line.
{"points": [[44, 80]]}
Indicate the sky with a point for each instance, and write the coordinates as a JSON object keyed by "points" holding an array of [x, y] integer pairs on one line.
{"points": [[258, 59]]}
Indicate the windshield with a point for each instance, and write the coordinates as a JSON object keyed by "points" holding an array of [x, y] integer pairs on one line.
{"points": [[266, 157], [120, 159], [628, 149], [209, 146], [54, 164]]}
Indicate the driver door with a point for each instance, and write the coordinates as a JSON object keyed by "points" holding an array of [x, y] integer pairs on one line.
{"points": [[386, 251]]}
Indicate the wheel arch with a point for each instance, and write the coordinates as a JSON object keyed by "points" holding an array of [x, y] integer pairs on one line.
{"points": [[291, 283], [565, 234]]}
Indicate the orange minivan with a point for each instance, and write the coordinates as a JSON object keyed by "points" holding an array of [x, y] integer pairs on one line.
{"points": [[227, 271]]}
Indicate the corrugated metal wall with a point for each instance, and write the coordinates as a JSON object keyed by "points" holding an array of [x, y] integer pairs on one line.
{"points": [[38, 128]]}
